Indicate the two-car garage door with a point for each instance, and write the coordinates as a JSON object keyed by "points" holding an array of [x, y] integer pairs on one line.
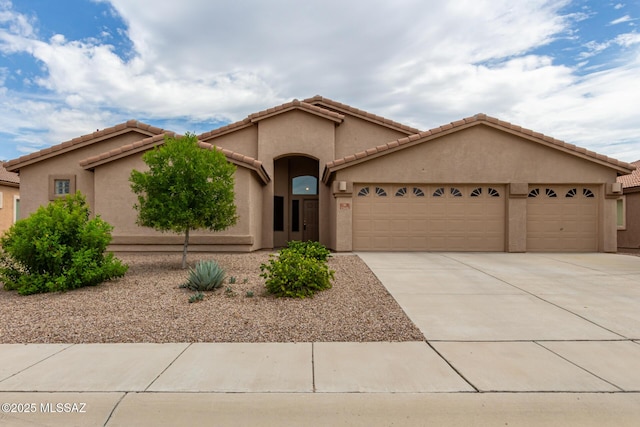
{"points": [[429, 217], [452, 217]]}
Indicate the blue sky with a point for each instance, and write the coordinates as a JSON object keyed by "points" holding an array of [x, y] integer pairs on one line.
{"points": [[569, 69]]}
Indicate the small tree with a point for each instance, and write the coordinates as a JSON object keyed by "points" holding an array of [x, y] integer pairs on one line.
{"points": [[186, 188]]}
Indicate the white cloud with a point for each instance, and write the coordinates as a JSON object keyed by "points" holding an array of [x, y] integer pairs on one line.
{"points": [[421, 63], [625, 18]]}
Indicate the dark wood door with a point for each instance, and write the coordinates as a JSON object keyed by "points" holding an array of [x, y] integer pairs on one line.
{"points": [[310, 220]]}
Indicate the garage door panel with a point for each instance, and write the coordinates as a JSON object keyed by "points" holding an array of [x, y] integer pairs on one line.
{"points": [[400, 226], [567, 222], [382, 226], [428, 217]]}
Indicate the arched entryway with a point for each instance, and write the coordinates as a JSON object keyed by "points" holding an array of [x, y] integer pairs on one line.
{"points": [[295, 204]]}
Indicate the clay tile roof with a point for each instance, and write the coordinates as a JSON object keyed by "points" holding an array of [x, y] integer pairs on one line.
{"points": [[147, 143], [81, 141], [400, 143], [269, 112], [319, 100], [125, 150], [7, 177], [241, 160], [295, 104], [633, 179], [225, 129]]}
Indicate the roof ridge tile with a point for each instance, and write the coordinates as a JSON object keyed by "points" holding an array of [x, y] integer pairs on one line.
{"points": [[357, 111]]}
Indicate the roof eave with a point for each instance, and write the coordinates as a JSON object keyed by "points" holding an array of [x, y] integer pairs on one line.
{"points": [[241, 160], [83, 141], [125, 151]]}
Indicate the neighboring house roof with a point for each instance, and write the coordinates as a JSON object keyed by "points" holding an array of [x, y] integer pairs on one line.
{"points": [[147, 143], [83, 141], [270, 112], [633, 179], [11, 179], [478, 119], [335, 105]]}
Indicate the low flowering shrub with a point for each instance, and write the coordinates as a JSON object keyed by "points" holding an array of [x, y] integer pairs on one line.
{"points": [[294, 273], [58, 248]]}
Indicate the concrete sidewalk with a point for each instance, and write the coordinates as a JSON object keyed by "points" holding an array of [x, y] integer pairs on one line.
{"points": [[307, 384], [517, 339]]}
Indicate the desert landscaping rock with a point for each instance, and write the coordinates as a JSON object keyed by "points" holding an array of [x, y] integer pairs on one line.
{"points": [[147, 305]]}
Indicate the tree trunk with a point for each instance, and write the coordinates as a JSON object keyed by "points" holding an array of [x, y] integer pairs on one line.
{"points": [[184, 249]]}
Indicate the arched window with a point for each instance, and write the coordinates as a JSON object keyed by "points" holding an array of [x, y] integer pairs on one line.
{"points": [[305, 184], [401, 192]]}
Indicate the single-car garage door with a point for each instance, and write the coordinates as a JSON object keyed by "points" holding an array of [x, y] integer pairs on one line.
{"points": [[418, 217], [562, 218]]}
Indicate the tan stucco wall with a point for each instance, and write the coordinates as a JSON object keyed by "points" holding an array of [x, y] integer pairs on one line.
{"points": [[34, 178], [355, 134], [115, 200], [479, 154], [243, 141], [629, 238], [485, 155], [7, 210], [294, 133]]}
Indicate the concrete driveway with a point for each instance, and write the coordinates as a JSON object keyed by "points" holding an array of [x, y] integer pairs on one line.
{"points": [[524, 322]]}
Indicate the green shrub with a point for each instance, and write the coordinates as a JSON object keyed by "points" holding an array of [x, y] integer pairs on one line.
{"points": [[58, 248], [292, 274], [197, 297], [207, 276], [310, 249]]}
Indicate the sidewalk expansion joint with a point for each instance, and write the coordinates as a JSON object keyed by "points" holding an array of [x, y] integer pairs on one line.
{"points": [[452, 367], [167, 367]]}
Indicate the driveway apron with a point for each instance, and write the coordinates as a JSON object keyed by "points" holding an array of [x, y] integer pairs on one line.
{"points": [[524, 322]]}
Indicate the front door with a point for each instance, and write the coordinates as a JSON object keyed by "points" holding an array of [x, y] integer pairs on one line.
{"points": [[310, 220]]}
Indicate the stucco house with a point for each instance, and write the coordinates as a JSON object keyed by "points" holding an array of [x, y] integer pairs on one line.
{"points": [[629, 211], [322, 170], [9, 198]]}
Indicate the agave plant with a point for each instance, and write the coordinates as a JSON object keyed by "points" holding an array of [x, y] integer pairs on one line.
{"points": [[206, 276]]}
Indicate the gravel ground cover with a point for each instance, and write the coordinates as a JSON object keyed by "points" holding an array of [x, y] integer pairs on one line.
{"points": [[147, 305]]}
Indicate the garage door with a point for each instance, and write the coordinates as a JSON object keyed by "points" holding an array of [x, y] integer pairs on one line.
{"points": [[562, 219], [417, 217]]}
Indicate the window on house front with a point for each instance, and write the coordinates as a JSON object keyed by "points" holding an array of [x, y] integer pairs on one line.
{"points": [[305, 184], [278, 213], [295, 215], [61, 185], [621, 214]]}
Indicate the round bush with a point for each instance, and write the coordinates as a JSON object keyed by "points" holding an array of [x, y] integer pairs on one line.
{"points": [[292, 274], [58, 248]]}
